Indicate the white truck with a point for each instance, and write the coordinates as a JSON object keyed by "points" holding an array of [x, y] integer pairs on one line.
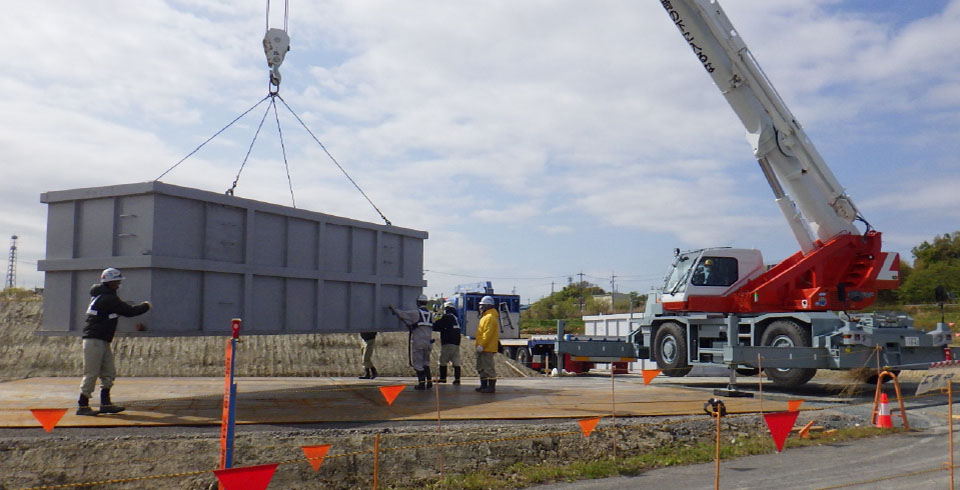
{"points": [[537, 352], [724, 306]]}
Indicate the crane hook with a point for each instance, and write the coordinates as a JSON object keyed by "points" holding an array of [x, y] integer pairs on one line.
{"points": [[276, 44]]}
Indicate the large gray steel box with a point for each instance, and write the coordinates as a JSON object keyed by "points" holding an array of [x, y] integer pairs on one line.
{"points": [[203, 258]]}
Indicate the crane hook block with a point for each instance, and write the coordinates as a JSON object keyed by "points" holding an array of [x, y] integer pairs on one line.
{"points": [[276, 43]]}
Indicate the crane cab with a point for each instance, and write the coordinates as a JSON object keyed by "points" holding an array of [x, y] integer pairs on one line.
{"points": [[703, 280]]}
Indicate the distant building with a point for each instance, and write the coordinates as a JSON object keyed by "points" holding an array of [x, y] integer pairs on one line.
{"points": [[607, 300]]}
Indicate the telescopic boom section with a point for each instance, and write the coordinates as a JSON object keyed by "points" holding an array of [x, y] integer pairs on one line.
{"points": [[837, 268], [794, 169]]}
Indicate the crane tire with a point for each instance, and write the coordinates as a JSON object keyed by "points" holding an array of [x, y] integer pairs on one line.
{"points": [[787, 333], [670, 350], [523, 356]]}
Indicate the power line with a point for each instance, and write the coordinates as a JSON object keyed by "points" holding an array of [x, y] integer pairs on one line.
{"points": [[492, 277]]}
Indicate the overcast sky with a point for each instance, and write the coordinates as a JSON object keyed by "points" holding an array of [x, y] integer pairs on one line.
{"points": [[533, 140]]}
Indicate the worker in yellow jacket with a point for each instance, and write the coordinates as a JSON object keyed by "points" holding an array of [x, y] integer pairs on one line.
{"points": [[488, 338]]}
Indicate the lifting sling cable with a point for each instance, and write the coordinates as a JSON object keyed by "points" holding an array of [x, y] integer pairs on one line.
{"points": [[283, 149], [275, 52], [229, 191], [334, 160], [211, 138]]}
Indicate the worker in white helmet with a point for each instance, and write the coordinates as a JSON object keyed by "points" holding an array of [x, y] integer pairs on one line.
{"points": [[488, 338], [421, 337], [102, 314]]}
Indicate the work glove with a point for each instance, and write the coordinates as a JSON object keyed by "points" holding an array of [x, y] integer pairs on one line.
{"points": [[479, 349], [149, 306]]}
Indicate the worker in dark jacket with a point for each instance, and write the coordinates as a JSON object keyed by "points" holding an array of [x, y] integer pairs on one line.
{"points": [[369, 341], [98, 332], [449, 329]]}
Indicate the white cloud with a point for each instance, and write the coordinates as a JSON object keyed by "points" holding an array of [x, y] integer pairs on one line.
{"points": [[538, 115], [556, 229]]}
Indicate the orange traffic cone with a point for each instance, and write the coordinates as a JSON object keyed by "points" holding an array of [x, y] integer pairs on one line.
{"points": [[884, 421]]}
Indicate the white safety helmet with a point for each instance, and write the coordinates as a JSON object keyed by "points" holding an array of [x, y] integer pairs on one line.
{"points": [[487, 300], [110, 274], [422, 298]]}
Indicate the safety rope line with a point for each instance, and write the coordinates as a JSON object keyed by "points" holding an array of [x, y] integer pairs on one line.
{"points": [[195, 403], [283, 149], [450, 444], [236, 179], [211, 138], [334, 160]]}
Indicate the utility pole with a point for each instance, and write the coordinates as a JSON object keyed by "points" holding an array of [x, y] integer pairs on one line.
{"points": [[551, 288], [581, 290], [12, 265], [613, 290]]}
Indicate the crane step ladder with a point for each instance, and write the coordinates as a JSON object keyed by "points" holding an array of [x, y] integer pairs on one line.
{"points": [[505, 321]]}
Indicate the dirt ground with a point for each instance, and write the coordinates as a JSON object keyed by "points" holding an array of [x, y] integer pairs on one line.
{"points": [[25, 355], [149, 458]]}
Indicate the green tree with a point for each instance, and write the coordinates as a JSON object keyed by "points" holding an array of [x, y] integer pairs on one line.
{"points": [[935, 264], [564, 303], [944, 249], [887, 297]]}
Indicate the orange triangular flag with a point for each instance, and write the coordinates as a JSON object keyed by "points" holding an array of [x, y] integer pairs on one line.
{"points": [[316, 454], [247, 477], [48, 417], [587, 425], [780, 424], [794, 405], [649, 374], [390, 392]]}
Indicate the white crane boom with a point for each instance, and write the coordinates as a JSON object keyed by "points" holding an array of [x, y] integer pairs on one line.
{"points": [[809, 195]]}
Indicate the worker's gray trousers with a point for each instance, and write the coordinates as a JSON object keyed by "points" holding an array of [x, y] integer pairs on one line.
{"points": [[421, 356], [367, 353], [97, 363], [485, 367], [450, 353]]}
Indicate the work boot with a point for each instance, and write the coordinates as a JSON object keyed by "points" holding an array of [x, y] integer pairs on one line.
{"points": [[443, 374], [366, 375], [420, 378], [483, 385], [456, 375], [426, 372], [491, 386], [373, 373], [106, 406], [83, 407]]}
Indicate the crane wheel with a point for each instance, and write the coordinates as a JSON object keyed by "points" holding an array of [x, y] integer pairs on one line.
{"points": [[787, 333], [670, 350]]}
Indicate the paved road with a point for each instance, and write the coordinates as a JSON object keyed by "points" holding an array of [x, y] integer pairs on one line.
{"points": [[871, 461]]}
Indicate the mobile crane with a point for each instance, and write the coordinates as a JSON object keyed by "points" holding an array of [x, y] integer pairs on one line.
{"points": [[723, 306]]}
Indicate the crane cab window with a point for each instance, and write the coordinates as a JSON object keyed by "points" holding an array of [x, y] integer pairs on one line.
{"points": [[715, 271]]}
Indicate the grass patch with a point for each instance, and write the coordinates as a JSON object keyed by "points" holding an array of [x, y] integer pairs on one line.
{"points": [[538, 327], [520, 475]]}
